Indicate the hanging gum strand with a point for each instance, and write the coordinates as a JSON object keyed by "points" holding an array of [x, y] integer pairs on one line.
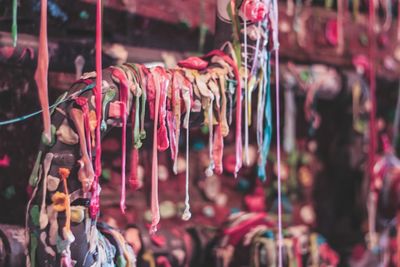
{"points": [[98, 97], [42, 72], [218, 143], [246, 110], [224, 122], [155, 210], [186, 213], [124, 89]]}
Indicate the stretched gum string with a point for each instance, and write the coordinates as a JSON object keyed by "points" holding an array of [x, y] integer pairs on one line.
{"points": [[211, 165], [186, 213], [186, 95], [246, 123], [278, 141], [155, 209], [238, 129], [123, 95], [42, 71], [82, 102], [256, 54], [260, 113], [99, 108]]}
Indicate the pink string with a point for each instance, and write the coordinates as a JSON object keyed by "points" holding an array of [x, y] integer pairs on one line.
{"points": [[278, 141]]}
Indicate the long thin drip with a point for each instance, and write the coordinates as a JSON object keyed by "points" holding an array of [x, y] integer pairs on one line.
{"points": [[155, 209], [42, 71], [246, 111], [98, 98]]}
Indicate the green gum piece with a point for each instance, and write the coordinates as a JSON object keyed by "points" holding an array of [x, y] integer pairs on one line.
{"points": [[142, 133], [142, 115], [136, 133], [304, 76], [33, 248], [33, 178], [121, 262], [14, 25], [109, 95], [106, 174], [53, 137], [34, 212]]}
